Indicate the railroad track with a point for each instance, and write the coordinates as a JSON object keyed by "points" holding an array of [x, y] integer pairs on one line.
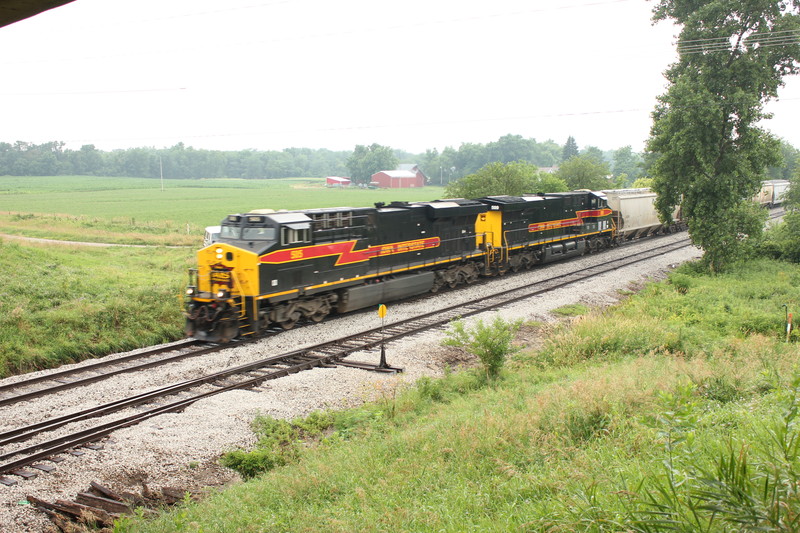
{"points": [[42, 385], [78, 376], [176, 397], [54, 382]]}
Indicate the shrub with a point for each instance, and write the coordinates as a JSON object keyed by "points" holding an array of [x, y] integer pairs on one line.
{"points": [[490, 343], [681, 282], [746, 487], [250, 464]]}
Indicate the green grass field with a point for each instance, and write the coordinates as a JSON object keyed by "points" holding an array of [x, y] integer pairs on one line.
{"points": [[61, 304], [138, 211]]}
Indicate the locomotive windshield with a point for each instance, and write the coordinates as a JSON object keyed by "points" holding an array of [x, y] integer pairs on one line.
{"points": [[248, 228], [229, 232], [258, 234]]}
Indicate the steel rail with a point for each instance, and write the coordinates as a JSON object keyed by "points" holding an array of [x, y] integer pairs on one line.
{"points": [[52, 447], [94, 366], [65, 385]]}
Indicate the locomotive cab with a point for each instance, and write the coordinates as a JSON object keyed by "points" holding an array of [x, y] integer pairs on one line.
{"points": [[232, 284], [258, 233], [226, 279]]}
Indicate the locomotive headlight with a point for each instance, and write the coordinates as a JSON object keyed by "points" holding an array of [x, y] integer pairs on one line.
{"points": [[218, 251], [222, 294], [190, 291], [219, 256]]}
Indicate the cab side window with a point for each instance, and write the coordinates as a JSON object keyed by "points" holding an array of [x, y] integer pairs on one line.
{"points": [[294, 236]]}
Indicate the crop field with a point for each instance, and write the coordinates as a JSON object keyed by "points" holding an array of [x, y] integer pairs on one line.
{"points": [[138, 211], [65, 303]]}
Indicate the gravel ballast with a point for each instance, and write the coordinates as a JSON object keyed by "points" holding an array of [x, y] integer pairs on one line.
{"points": [[181, 450]]}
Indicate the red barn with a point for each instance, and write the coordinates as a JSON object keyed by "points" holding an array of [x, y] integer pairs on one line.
{"points": [[398, 179]]}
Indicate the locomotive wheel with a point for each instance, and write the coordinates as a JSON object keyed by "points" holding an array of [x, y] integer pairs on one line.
{"points": [[288, 323], [319, 316], [291, 319], [228, 328]]}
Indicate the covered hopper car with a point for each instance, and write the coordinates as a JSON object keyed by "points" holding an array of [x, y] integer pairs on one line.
{"points": [[634, 214], [771, 193]]}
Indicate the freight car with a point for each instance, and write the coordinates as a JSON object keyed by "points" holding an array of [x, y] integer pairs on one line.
{"points": [[634, 214], [279, 268], [771, 193]]}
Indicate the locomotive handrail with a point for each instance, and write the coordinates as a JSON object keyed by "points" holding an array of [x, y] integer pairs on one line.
{"points": [[241, 304]]}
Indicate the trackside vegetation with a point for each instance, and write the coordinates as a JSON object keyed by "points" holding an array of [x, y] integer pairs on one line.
{"points": [[61, 304], [492, 343], [677, 410]]}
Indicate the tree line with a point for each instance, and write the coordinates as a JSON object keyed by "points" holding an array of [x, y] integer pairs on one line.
{"points": [[184, 162], [176, 162], [586, 168]]}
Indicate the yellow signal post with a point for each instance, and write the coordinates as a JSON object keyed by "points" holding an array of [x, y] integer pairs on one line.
{"points": [[383, 366]]}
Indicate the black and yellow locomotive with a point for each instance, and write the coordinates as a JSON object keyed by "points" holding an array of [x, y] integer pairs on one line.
{"points": [[277, 268]]}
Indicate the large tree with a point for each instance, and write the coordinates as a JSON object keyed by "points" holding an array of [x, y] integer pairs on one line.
{"points": [[627, 165], [514, 179], [367, 160], [570, 149], [585, 172], [709, 151]]}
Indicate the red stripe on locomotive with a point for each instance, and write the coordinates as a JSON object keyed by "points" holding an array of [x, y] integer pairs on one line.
{"points": [[347, 255], [541, 226]]}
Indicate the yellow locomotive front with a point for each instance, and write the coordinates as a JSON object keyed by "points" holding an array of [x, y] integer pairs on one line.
{"points": [[222, 287]]}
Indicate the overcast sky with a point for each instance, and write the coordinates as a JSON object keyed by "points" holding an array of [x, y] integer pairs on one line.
{"points": [[272, 74]]}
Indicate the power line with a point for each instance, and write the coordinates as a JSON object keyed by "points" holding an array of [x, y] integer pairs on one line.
{"points": [[727, 38], [369, 126], [751, 42]]}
